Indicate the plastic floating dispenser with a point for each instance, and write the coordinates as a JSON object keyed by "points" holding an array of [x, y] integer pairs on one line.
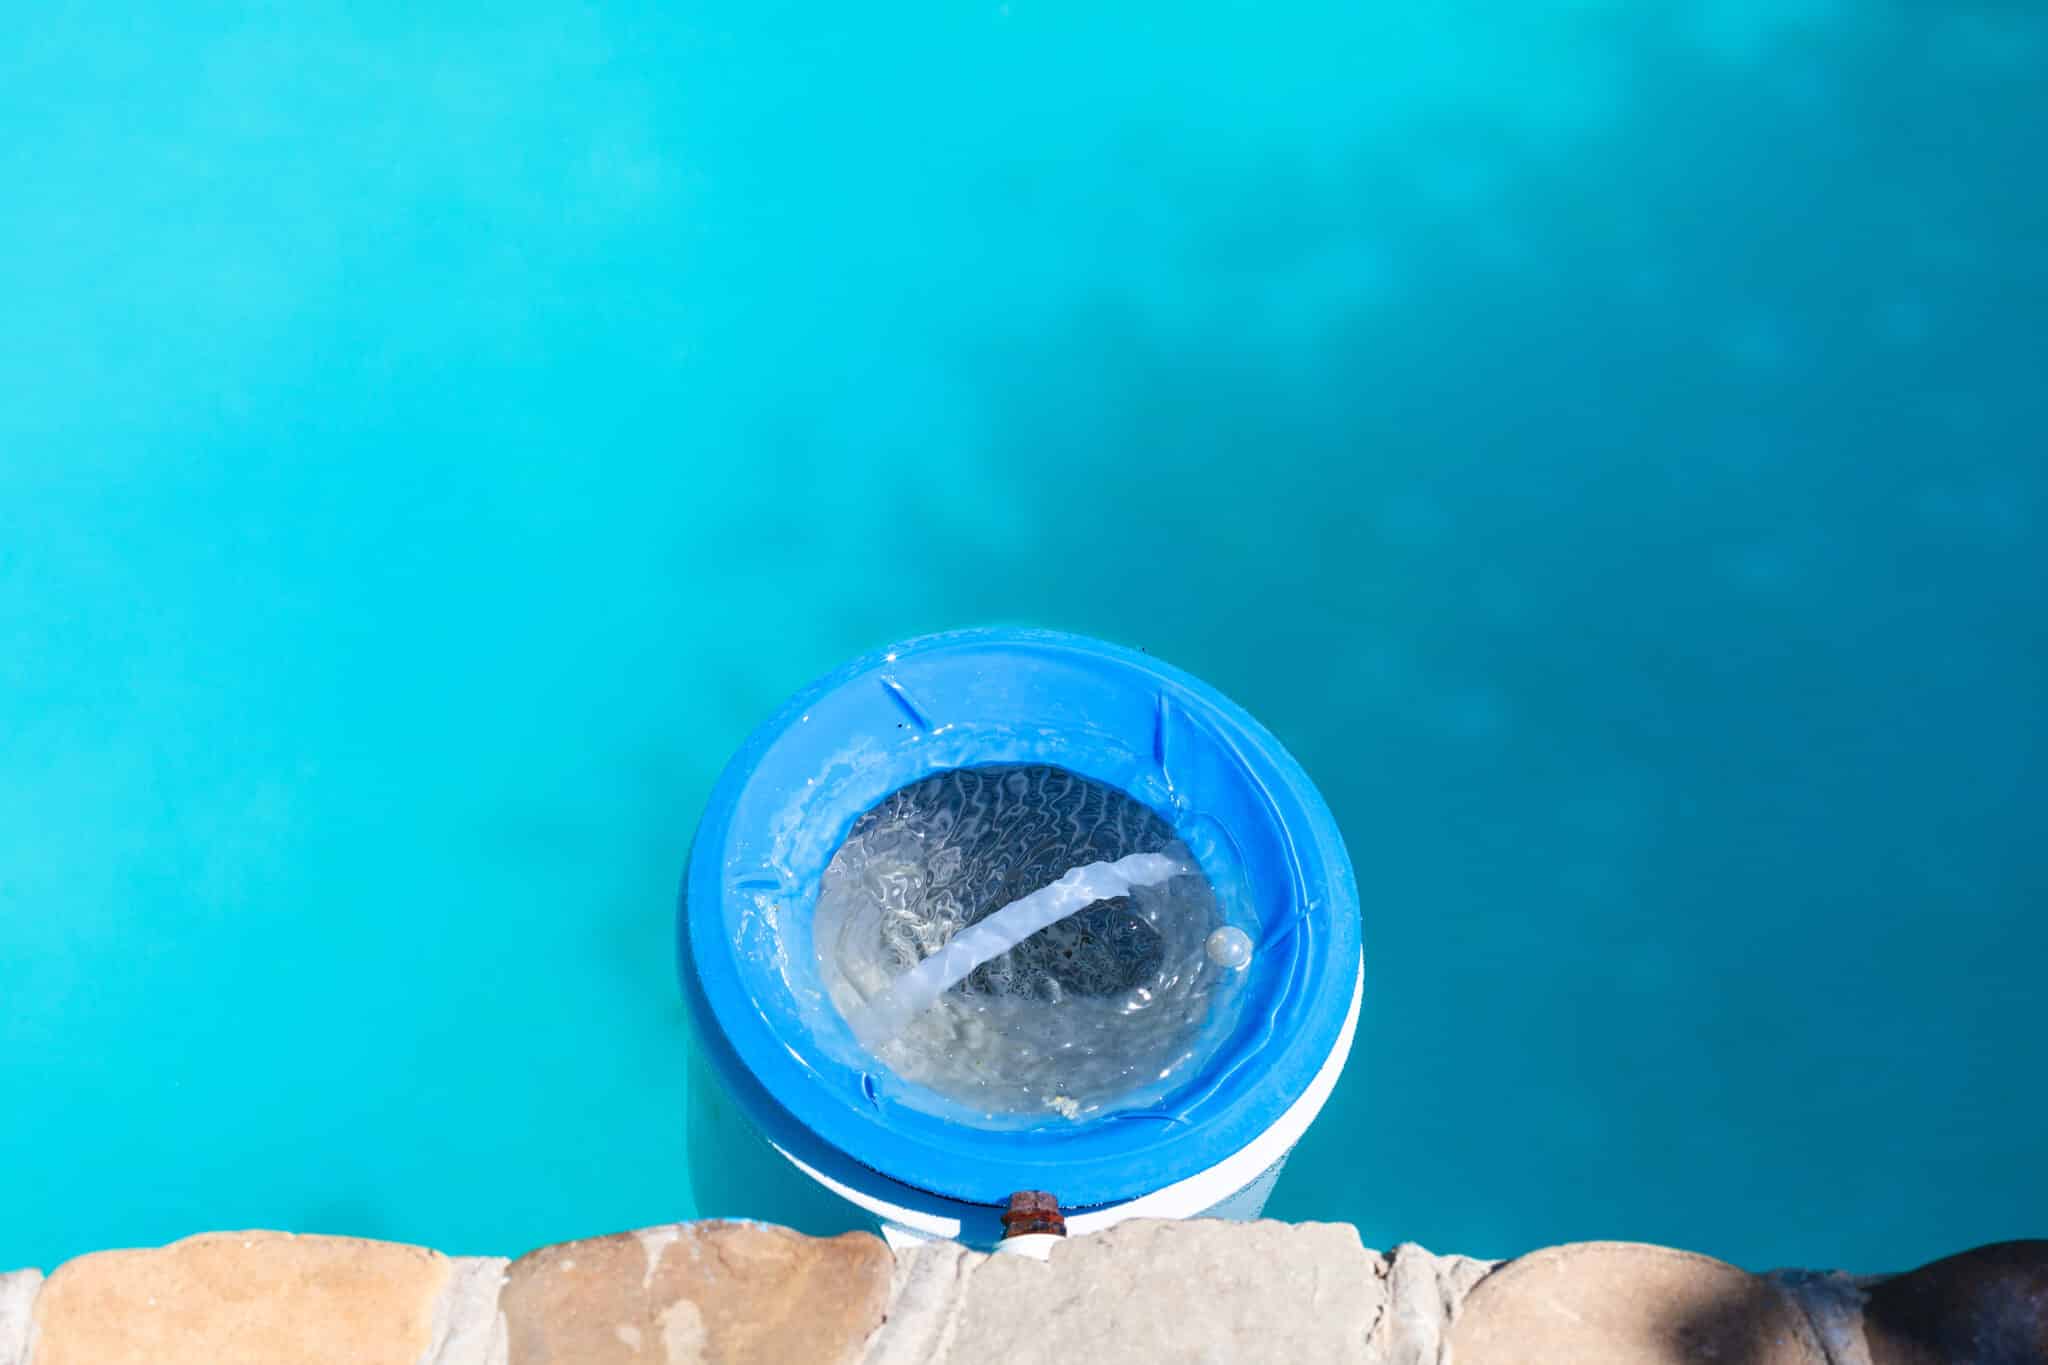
{"points": [[1150, 1044]]}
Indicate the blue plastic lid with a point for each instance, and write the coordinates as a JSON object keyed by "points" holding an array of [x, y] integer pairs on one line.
{"points": [[978, 698]]}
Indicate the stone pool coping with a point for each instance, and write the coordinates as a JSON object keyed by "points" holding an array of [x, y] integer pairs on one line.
{"points": [[1141, 1291]]}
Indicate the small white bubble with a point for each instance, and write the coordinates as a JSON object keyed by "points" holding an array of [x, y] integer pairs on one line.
{"points": [[1230, 949]]}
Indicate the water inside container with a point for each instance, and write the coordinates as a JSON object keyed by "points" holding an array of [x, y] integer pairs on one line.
{"points": [[1109, 1008]]}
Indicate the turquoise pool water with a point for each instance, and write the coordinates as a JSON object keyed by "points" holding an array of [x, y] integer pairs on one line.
{"points": [[1604, 441]]}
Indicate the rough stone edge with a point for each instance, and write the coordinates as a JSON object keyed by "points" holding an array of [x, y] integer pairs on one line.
{"points": [[468, 1327], [1832, 1301], [927, 1293], [17, 1316], [1424, 1291]]}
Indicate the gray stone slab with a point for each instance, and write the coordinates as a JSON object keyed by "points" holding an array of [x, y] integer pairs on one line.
{"points": [[1190, 1291]]}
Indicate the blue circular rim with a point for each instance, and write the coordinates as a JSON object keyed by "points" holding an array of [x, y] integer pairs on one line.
{"points": [[1146, 727]]}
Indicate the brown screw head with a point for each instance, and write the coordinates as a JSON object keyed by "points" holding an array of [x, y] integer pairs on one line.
{"points": [[1033, 1211]]}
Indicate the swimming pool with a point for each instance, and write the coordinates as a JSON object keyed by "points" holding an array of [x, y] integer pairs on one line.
{"points": [[1603, 448]]}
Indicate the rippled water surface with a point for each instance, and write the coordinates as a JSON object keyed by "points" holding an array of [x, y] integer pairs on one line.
{"points": [[1099, 1011]]}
